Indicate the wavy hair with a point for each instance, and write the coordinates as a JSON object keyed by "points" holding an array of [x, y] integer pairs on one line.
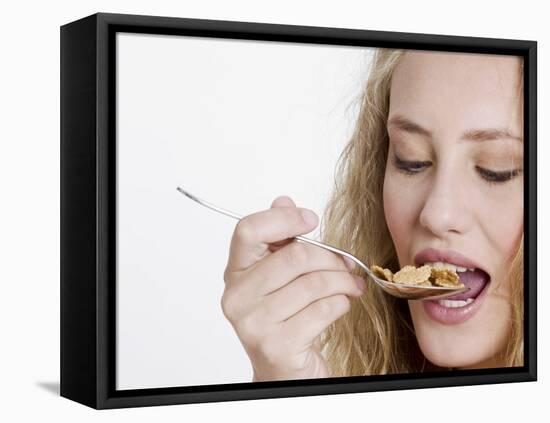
{"points": [[377, 335]]}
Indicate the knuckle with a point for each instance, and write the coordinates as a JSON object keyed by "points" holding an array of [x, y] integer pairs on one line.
{"points": [[247, 329], [336, 261], [296, 254], [334, 305], [228, 304], [244, 229], [233, 303], [342, 304], [313, 284], [325, 306], [351, 283]]}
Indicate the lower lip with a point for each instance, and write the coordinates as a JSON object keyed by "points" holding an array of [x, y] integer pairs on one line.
{"points": [[456, 315]]}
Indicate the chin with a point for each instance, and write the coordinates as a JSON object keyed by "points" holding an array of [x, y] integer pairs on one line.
{"points": [[471, 344], [456, 357]]}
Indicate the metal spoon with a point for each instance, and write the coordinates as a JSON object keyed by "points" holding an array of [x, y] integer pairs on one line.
{"points": [[410, 292]]}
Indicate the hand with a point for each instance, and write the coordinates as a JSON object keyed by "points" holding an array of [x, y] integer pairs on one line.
{"points": [[281, 294]]}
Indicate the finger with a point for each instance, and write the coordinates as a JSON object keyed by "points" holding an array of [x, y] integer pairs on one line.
{"points": [[283, 201], [305, 290], [254, 233], [280, 244], [305, 326], [289, 263]]}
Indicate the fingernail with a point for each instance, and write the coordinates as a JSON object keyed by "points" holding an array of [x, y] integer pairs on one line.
{"points": [[309, 217], [349, 263], [360, 283]]}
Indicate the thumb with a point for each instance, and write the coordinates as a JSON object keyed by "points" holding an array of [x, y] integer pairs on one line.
{"points": [[281, 201]]}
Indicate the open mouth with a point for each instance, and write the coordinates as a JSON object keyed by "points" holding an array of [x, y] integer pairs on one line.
{"points": [[460, 307], [476, 280]]}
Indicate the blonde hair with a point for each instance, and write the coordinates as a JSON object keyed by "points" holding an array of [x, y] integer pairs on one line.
{"points": [[377, 335]]}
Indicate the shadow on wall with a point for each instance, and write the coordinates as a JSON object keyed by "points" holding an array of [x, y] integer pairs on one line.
{"points": [[52, 387]]}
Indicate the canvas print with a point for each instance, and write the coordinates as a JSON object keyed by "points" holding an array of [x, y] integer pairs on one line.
{"points": [[405, 165]]}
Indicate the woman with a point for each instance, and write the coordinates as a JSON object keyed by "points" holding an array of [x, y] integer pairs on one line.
{"points": [[433, 173]]}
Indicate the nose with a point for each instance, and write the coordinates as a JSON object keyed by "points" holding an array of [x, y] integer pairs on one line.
{"points": [[446, 207]]}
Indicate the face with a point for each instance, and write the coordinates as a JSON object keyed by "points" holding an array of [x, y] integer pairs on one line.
{"points": [[453, 193]]}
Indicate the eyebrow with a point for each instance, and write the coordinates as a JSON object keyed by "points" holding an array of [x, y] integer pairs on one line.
{"points": [[401, 122]]}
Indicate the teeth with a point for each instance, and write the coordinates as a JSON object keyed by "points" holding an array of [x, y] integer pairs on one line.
{"points": [[455, 303], [440, 264]]}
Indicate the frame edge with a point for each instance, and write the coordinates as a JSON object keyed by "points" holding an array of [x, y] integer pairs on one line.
{"points": [[78, 312]]}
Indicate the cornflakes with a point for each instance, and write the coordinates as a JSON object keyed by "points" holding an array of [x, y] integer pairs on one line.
{"points": [[445, 277], [410, 275], [425, 275], [385, 274]]}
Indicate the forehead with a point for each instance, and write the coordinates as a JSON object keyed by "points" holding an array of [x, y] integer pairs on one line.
{"points": [[472, 88]]}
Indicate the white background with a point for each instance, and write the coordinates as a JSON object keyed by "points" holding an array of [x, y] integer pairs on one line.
{"points": [[234, 122], [29, 173]]}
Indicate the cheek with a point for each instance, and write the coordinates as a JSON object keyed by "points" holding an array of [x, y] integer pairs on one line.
{"points": [[502, 224], [506, 235], [507, 230]]}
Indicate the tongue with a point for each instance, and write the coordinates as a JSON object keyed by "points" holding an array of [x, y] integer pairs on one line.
{"points": [[475, 280]]}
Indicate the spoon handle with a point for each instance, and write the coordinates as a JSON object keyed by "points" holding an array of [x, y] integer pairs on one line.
{"points": [[299, 238]]}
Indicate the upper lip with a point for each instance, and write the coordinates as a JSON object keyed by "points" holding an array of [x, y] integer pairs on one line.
{"points": [[447, 256]]}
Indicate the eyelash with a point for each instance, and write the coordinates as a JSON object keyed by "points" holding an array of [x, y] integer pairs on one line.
{"points": [[492, 177], [498, 177]]}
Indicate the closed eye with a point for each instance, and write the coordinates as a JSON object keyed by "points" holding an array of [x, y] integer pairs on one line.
{"points": [[497, 177], [410, 167]]}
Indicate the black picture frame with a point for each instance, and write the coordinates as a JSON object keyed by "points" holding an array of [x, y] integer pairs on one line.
{"points": [[88, 209]]}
